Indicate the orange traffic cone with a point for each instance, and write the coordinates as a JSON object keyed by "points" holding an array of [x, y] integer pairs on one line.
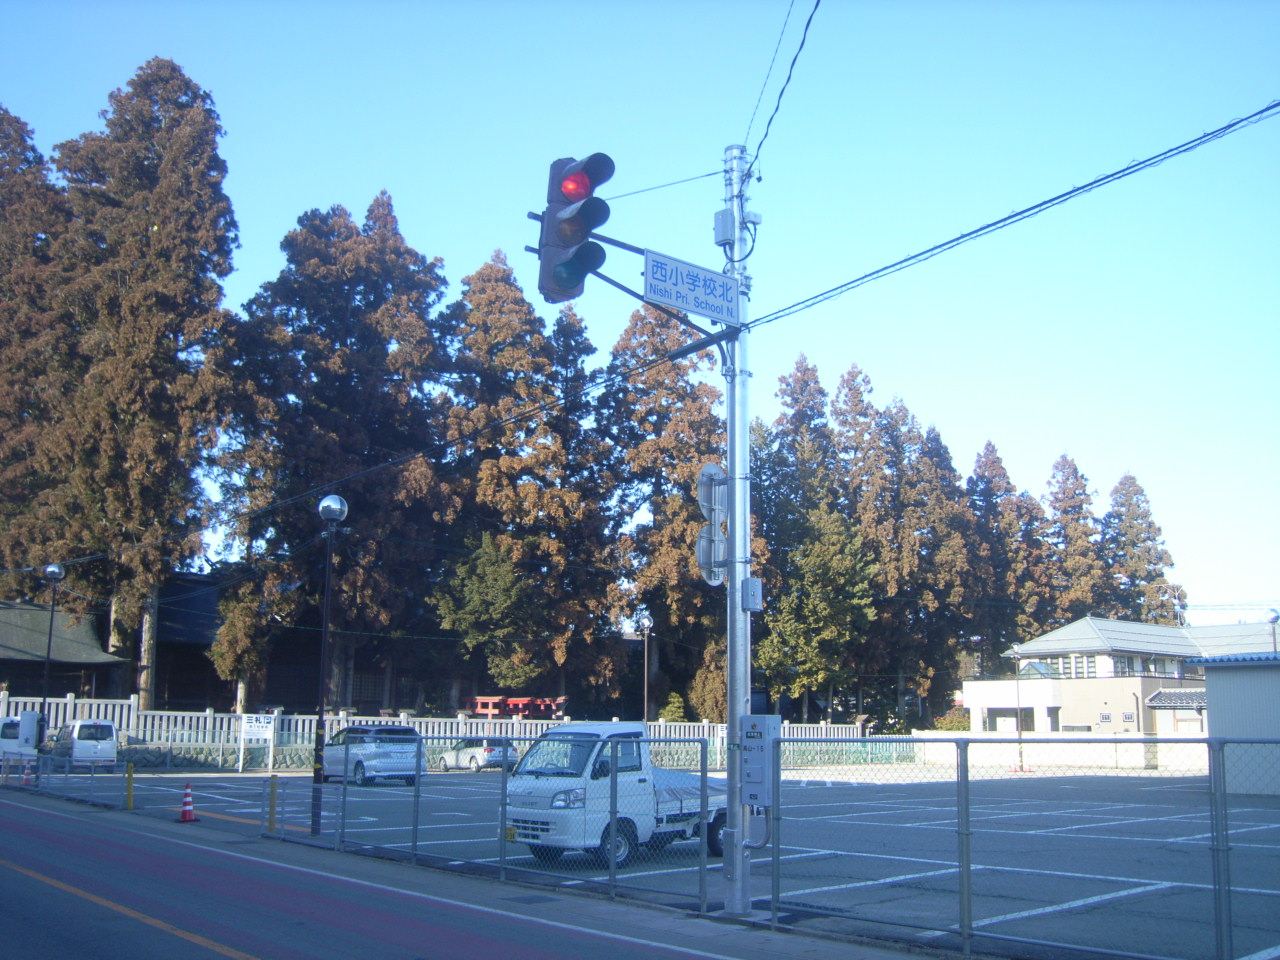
{"points": [[188, 808], [27, 779]]}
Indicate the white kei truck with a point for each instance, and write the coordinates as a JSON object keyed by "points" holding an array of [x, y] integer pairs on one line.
{"points": [[561, 794]]}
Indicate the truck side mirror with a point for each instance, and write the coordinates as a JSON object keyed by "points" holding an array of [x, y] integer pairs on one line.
{"points": [[600, 770]]}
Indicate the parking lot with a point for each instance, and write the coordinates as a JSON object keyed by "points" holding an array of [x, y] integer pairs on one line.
{"points": [[1121, 864]]}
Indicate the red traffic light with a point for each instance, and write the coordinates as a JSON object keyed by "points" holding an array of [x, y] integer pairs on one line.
{"points": [[576, 186], [565, 251], [574, 180]]}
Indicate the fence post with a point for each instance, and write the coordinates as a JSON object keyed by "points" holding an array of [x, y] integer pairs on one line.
{"points": [[965, 836], [419, 771], [775, 891], [613, 818], [704, 825], [1219, 845]]}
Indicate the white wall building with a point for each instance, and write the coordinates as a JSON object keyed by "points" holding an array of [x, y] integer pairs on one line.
{"points": [[1100, 677]]}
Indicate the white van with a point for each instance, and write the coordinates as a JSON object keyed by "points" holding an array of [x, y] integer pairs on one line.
{"points": [[18, 736], [86, 743]]}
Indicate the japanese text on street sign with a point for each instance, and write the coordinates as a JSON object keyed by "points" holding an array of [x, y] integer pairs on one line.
{"points": [[690, 288]]}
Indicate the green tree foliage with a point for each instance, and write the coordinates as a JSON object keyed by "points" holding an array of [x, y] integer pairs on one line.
{"points": [[1136, 560], [673, 711], [819, 626]]}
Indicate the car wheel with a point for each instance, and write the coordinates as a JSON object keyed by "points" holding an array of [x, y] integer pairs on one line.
{"points": [[545, 855], [444, 765], [362, 779], [624, 845], [475, 765], [715, 836]]}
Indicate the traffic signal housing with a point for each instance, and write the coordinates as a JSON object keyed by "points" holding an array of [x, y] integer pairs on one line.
{"points": [[566, 252]]}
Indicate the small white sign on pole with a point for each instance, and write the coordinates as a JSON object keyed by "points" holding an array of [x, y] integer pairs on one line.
{"points": [[257, 727]]}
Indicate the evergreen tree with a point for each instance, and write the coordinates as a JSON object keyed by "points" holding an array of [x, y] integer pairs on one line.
{"points": [[1009, 559], [536, 472], [1078, 574], [38, 362], [150, 235], [1136, 559], [819, 625], [946, 537], [339, 363], [664, 424]]}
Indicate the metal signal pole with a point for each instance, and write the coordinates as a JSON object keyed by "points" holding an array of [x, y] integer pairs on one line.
{"points": [[743, 593]]}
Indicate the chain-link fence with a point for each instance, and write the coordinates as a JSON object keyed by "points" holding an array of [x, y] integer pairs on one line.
{"points": [[1039, 848], [103, 784], [1035, 847]]}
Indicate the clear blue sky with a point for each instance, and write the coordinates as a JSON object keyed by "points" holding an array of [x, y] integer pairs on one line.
{"points": [[1136, 329]]}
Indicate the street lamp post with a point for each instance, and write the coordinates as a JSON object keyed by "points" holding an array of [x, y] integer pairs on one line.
{"points": [[1014, 652], [333, 510], [54, 573], [645, 624]]}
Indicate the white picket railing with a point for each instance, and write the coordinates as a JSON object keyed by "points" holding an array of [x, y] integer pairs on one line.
{"points": [[208, 728]]}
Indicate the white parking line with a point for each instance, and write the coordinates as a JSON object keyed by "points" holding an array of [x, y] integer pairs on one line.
{"points": [[873, 883], [1072, 904]]}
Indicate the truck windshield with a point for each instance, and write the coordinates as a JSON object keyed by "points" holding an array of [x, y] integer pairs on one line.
{"points": [[558, 756]]}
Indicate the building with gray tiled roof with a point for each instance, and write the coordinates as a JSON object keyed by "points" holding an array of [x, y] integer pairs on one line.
{"points": [[1101, 676]]}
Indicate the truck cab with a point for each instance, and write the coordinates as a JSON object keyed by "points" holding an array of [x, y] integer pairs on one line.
{"points": [[561, 795]]}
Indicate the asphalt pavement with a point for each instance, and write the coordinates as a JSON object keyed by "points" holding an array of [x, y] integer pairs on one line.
{"points": [[626, 928]]}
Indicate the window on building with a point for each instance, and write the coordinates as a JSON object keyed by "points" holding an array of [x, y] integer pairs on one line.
{"points": [[1104, 718]]}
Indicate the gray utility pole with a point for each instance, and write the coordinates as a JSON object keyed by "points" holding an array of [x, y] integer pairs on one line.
{"points": [[743, 590]]}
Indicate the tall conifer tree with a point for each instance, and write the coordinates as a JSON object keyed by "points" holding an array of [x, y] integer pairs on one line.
{"points": [[664, 423], [150, 237], [1136, 559], [340, 364], [1079, 576], [39, 362]]}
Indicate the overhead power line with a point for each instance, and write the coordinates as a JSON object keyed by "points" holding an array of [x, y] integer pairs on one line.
{"points": [[790, 70], [746, 137], [1270, 110]]}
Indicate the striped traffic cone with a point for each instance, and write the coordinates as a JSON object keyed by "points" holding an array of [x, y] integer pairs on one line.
{"points": [[27, 779], [188, 808]]}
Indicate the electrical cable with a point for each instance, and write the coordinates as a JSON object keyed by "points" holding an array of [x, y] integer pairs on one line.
{"points": [[746, 137], [663, 186], [790, 70], [1025, 214]]}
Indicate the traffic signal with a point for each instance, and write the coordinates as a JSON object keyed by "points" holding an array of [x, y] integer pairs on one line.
{"points": [[565, 250]]}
